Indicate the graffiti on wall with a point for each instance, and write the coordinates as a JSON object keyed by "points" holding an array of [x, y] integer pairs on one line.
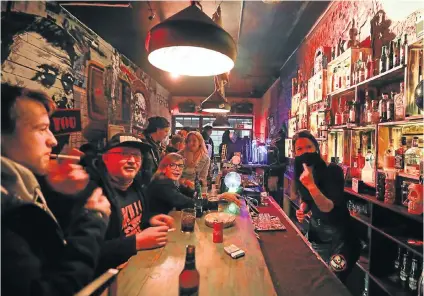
{"points": [[45, 48]]}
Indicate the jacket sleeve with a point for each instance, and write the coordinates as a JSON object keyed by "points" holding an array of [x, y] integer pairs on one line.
{"points": [[166, 192], [76, 265], [114, 252]]}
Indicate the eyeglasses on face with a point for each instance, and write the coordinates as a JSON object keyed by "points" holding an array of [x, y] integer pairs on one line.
{"points": [[128, 155], [174, 166]]}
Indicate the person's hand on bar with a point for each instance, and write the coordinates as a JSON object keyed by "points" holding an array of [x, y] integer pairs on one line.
{"points": [[162, 220], [302, 212], [152, 237], [230, 197], [98, 202], [66, 177]]}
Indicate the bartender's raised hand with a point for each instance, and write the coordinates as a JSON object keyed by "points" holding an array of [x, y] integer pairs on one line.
{"points": [[152, 237], [301, 213], [307, 177], [231, 197], [162, 220], [66, 177]]}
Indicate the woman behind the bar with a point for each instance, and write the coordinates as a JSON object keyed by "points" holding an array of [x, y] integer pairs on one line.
{"points": [[164, 190], [196, 160], [321, 188]]}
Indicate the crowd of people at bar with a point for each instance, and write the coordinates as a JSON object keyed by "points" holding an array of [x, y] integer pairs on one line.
{"points": [[65, 222]]}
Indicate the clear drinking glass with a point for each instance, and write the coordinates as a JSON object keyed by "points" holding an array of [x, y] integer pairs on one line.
{"points": [[188, 219]]}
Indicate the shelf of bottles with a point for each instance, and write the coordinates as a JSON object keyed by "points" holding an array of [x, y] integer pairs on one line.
{"points": [[380, 104]]}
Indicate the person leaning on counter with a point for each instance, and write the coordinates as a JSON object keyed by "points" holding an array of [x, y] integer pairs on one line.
{"points": [[165, 193], [321, 188]]}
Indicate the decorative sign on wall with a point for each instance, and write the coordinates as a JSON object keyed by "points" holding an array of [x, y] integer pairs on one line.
{"points": [[65, 121]]}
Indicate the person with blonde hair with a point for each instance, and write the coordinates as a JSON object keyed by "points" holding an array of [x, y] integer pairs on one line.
{"points": [[164, 190], [196, 158]]}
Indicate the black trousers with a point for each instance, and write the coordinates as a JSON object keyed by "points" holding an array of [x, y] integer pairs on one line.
{"points": [[338, 247]]}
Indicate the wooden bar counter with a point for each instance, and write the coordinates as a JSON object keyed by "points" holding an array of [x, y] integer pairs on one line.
{"points": [[155, 272]]}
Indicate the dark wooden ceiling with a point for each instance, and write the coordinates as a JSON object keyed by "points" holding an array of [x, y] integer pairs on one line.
{"points": [[266, 34]]}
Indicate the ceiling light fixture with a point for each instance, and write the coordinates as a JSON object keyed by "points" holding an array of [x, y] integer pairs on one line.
{"points": [[215, 103], [190, 43], [221, 121]]}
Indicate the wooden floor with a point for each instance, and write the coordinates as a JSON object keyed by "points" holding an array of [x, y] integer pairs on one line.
{"points": [[156, 272]]}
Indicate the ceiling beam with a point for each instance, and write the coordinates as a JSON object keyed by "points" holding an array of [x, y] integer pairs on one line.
{"points": [[96, 4]]}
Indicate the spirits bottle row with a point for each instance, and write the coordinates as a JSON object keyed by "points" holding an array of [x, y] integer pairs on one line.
{"points": [[407, 270], [394, 54], [388, 107], [353, 72], [408, 159]]}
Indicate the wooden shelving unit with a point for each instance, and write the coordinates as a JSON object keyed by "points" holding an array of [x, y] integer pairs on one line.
{"points": [[383, 241]]}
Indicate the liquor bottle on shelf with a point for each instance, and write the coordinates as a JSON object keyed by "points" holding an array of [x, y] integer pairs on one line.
{"points": [[361, 68], [357, 164], [352, 112], [346, 112], [338, 118], [390, 55], [334, 80], [365, 291], [383, 60], [189, 278], [355, 74], [383, 107], [419, 89], [367, 108], [398, 260], [389, 157], [380, 187], [375, 112], [367, 172], [399, 101], [347, 74], [396, 57], [369, 68], [404, 270], [414, 276], [390, 186], [413, 157], [391, 107], [400, 154], [198, 200], [403, 50], [340, 76]]}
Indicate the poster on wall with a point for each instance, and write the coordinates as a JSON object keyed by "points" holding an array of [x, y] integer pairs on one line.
{"points": [[65, 121]]}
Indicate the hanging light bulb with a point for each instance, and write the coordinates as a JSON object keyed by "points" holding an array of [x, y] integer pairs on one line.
{"points": [[190, 43]]}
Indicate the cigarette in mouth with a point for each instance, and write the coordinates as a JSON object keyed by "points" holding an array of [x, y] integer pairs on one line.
{"points": [[67, 157]]}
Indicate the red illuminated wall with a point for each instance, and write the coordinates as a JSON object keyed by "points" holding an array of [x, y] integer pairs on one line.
{"points": [[334, 24]]}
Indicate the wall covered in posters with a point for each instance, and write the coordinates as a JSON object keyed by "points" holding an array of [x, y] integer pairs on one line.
{"points": [[386, 18], [45, 48]]}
